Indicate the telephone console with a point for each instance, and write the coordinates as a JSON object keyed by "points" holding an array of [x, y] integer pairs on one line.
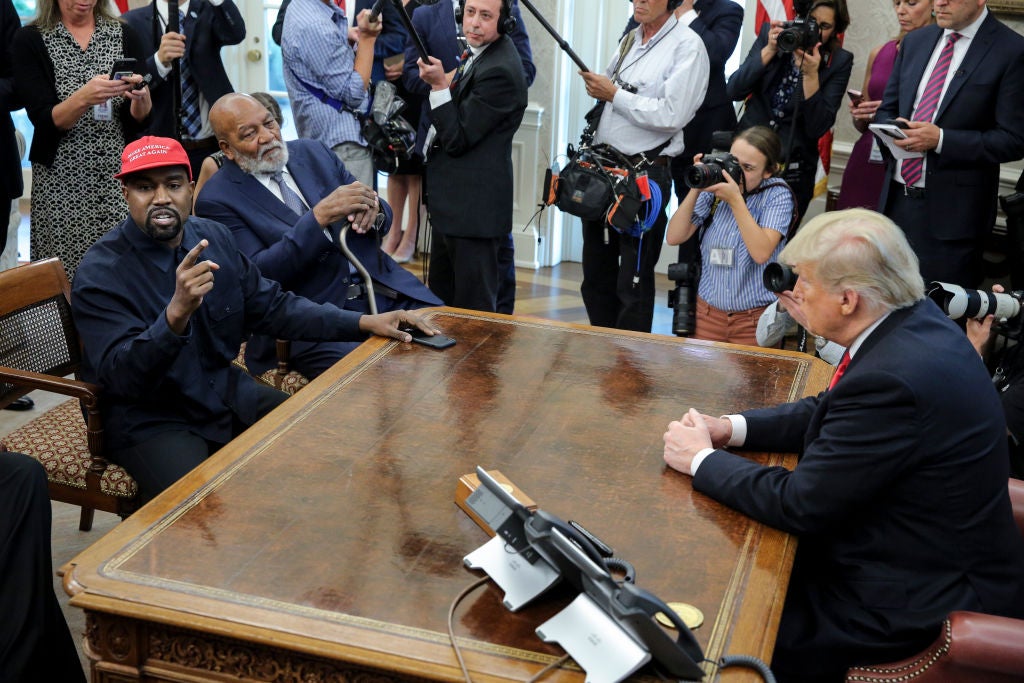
{"points": [[547, 542]]}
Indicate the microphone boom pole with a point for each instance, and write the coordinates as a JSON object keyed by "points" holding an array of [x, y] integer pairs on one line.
{"points": [[554, 34], [175, 75]]}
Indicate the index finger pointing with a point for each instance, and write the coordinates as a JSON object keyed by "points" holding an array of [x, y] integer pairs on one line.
{"points": [[193, 255]]}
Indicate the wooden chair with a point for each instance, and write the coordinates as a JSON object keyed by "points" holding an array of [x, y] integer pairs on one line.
{"points": [[39, 347], [281, 377], [972, 647]]}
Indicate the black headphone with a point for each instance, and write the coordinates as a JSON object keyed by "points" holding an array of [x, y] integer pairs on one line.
{"points": [[672, 4], [506, 22]]}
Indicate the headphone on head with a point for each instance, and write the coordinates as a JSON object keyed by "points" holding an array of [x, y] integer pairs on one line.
{"points": [[506, 22]]}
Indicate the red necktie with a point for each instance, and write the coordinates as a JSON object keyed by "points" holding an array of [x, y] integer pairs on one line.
{"points": [[840, 369], [463, 59], [912, 168]]}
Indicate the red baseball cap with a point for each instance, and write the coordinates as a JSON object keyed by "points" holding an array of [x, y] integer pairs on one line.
{"points": [[152, 152]]}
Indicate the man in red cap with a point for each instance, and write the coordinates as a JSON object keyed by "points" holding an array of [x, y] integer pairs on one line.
{"points": [[162, 303]]}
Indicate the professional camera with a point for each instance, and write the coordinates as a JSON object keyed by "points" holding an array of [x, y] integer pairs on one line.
{"points": [[957, 302], [778, 277], [712, 170], [802, 33], [683, 299]]}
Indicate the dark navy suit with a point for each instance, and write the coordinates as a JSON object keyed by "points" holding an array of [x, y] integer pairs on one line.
{"points": [[214, 28], [899, 499], [294, 251], [982, 123]]}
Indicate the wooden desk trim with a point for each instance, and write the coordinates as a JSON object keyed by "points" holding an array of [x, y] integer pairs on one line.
{"points": [[94, 589]]}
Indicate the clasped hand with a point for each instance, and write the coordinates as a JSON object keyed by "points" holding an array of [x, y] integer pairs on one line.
{"points": [[922, 136], [692, 433]]}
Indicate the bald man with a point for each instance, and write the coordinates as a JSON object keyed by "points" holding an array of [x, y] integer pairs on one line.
{"points": [[286, 204]]}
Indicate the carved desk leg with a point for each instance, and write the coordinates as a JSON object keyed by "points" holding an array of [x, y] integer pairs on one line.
{"points": [[115, 646]]}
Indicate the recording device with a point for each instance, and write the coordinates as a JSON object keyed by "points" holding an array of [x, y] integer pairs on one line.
{"points": [[123, 68], [389, 136], [562, 43], [712, 170], [856, 96], [779, 278], [802, 33], [957, 302]]}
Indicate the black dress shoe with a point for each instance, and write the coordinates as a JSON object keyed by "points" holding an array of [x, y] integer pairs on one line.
{"points": [[23, 403]]}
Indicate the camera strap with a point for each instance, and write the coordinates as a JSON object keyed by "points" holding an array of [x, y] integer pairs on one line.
{"points": [[593, 117]]}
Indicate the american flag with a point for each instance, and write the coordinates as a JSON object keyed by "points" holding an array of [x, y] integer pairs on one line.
{"points": [[767, 10]]}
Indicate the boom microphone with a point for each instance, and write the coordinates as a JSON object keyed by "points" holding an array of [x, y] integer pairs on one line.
{"points": [[375, 11]]}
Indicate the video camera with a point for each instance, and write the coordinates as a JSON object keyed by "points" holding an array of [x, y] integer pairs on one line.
{"points": [[957, 302], [802, 33]]}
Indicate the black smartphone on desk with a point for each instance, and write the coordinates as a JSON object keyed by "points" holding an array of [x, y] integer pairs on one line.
{"points": [[438, 341]]}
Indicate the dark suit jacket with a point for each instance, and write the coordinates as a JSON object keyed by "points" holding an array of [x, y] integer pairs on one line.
{"points": [[982, 123], [899, 497], [757, 82], [435, 25], [292, 249], [10, 163], [469, 169], [214, 28]]}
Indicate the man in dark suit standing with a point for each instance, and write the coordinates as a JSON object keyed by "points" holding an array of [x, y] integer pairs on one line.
{"points": [[959, 84], [293, 244], [900, 495], [469, 158], [205, 26], [440, 30]]}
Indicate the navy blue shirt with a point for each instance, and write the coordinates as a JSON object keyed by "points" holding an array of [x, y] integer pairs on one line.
{"points": [[154, 380]]}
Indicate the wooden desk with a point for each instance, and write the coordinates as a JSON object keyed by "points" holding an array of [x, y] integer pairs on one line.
{"points": [[324, 542]]}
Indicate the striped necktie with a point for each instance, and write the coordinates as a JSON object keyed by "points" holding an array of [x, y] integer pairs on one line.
{"points": [[190, 120], [290, 198], [912, 169]]}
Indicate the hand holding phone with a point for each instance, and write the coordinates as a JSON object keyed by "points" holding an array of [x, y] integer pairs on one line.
{"points": [[123, 68], [437, 341], [856, 97]]}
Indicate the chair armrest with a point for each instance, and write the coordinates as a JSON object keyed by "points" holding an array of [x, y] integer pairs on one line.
{"points": [[85, 391], [987, 643]]}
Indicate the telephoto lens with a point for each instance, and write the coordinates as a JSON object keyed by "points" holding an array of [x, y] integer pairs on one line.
{"points": [[779, 277]]}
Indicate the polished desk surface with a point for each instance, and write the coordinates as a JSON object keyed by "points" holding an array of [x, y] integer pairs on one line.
{"points": [[328, 532]]}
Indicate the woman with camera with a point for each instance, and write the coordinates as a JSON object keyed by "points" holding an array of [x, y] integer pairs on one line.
{"points": [[793, 81], [740, 213]]}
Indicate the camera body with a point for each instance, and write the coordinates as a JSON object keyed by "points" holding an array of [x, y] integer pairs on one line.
{"points": [[778, 277], [801, 33], [712, 170], [683, 299]]}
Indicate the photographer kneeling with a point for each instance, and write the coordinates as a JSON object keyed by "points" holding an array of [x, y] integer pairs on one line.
{"points": [[740, 213], [1007, 365]]}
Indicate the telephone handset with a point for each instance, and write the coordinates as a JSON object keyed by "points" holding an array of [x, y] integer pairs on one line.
{"points": [[633, 609]]}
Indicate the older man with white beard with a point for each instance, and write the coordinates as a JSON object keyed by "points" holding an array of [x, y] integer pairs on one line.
{"points": [[285, 204]]}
